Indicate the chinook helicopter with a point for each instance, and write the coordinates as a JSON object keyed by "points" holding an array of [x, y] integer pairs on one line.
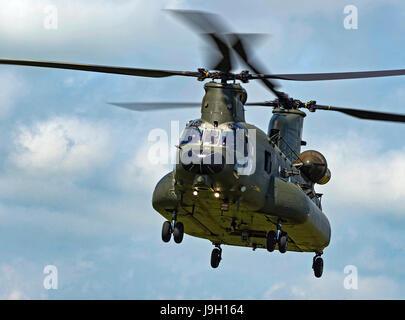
{"points": [[235, 184]]}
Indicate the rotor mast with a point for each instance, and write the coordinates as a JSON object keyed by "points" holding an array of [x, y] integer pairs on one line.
{"points": [[223, 102]]}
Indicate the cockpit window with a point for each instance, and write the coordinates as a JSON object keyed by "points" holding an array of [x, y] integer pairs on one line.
{"points": [[228, 137], [211, 136], [193, 135]]}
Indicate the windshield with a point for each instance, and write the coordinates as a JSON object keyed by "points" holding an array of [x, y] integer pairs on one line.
{"points": [[192, 135], [228, 137], [211, 136]]}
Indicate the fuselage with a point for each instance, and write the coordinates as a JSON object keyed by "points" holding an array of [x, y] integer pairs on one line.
{"points": [[230, 186]]}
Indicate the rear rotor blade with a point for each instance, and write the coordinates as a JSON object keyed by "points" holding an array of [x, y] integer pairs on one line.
{"points": [[335, 75], [153, 73], [155, 106], [358, 113], [364, 114]]}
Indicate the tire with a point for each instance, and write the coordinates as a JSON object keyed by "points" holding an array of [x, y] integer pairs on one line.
{"points": [[283, 242], [318, 267], [215, 257], [271, 241], [178, 232], [166, 231]]}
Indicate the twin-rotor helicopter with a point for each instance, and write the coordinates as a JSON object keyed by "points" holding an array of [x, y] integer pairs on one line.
{"points": [[274, 206]]}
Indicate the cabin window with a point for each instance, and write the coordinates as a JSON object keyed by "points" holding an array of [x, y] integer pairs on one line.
{"points": [[267, 161]]}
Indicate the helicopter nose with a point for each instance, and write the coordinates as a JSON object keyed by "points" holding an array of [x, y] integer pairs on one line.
{"points": [[197, 161]]}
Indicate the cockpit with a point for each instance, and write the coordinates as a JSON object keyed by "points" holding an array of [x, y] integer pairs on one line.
{"points": [[198, 134], [204, 148]]}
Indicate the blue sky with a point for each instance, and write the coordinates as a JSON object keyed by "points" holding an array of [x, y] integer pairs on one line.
{"points": [[75, 191]]}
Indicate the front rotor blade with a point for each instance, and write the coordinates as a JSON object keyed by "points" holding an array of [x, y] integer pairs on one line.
{"points": [[211, 27], [239, 47], [203, 22], [153, 73], [334, 75], [155, 106], [224, 64], [365, 114]]}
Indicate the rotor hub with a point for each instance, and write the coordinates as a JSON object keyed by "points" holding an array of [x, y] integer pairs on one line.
{"points": [[243, 76]]}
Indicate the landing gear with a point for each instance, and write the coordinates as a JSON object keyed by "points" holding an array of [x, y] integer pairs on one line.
{"points": [[166, 231], [271, 241], [317, 265], [177, 228], [178, 232], [280, 238], [283, 242], [216, 257]]}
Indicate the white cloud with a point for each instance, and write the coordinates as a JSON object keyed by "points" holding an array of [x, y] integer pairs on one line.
{"points": [[61, 145], [141, 173], [111, 25], [364, 174]]}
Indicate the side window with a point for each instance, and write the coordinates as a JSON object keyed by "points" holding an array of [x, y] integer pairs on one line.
{"points": [[267, 161]]}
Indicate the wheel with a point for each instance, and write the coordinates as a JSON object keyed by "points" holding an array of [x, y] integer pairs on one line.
{"points": [[178, 232], [318, 267], [215, 257], [166, 231], [283, 242], [271, 241]]}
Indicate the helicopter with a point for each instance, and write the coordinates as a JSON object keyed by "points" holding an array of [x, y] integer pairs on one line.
{"points": [[233, 183]]}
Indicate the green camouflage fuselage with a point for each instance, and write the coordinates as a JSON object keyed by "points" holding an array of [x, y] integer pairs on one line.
{"points": [[226, 207]]}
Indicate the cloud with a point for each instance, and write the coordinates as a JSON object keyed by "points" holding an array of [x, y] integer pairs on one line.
{"points": [[331, 286], [21, 280], [11, 87], [364, 174], [113, 26], [61, 145], [140, 172]]}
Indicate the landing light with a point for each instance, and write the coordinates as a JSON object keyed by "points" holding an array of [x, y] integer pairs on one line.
{"points": [[216, 194], [195, 192]]}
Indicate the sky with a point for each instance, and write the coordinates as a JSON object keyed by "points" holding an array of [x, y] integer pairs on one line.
{"points": [[76, 187]]}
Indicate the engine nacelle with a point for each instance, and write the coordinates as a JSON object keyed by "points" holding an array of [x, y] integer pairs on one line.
{"points": [[313, 166]]}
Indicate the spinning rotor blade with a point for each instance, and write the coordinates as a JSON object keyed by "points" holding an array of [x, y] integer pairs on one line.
{"points": [[211, 28], [239, 48], [335, 75], [153, 73], [364, 114], [357, 113], [225, 64], [155, 106]]}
